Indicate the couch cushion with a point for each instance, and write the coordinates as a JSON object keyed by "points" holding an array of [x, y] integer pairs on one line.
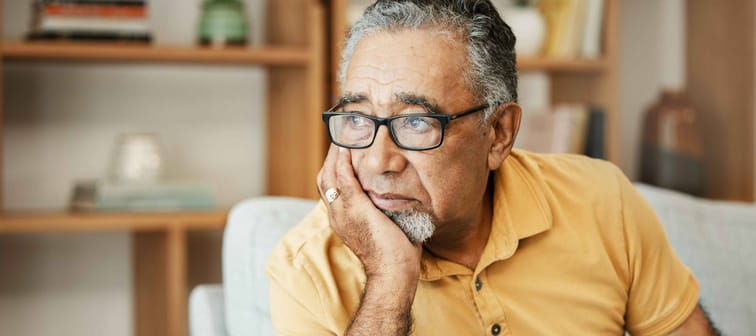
{"points": [[253, 229], [716, 240]]}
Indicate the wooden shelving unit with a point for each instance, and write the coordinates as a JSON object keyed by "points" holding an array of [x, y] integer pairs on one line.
{"points": [[159, 255], [295, 57]]}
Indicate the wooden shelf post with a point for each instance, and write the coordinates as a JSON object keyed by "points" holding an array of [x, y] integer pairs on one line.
{"points": [[160, 282], [296, 135]]}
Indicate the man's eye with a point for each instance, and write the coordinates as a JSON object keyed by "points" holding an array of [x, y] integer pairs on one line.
{"points": [[418, 124], [357, 121]]}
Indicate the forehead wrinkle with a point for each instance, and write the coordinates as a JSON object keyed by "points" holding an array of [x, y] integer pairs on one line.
{"points": [[406, 76], [389, 73]]}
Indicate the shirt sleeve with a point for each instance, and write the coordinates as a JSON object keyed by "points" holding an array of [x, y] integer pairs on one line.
{"points": [[295, 305], [662, 290]]}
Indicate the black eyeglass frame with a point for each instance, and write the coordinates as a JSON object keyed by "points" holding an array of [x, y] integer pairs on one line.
{"points": [[444, 119]]}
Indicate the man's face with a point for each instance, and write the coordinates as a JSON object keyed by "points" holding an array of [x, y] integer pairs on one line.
{"points": [[395, 73]]}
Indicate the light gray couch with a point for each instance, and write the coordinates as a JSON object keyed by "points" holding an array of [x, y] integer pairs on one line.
{"points": [[717, 240]]}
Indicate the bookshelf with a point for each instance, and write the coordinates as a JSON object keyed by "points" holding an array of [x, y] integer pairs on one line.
{"points": [[295, 59], [593, 82]]}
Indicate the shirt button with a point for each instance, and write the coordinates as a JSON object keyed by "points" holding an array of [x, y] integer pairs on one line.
{"points": [[495, 329], [478, 284]]}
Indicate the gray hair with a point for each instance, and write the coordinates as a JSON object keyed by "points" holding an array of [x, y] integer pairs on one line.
{"points": [[490, 42]]}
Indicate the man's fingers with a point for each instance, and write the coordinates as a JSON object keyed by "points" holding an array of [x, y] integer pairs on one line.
{"points": [[349, 186], [327, 174]]}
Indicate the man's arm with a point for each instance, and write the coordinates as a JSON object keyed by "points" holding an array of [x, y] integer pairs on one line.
{"points": [[391, 262], [697, 324], [385, 307]]}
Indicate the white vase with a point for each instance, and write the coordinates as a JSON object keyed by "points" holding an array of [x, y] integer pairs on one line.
{"points": [[528, 26]]}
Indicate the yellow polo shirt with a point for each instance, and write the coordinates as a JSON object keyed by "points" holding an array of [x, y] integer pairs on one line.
{"points": [[573, 250]]}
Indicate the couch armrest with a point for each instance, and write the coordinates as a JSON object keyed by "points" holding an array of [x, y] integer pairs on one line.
{"points": [[254, 227], [206, 311]]}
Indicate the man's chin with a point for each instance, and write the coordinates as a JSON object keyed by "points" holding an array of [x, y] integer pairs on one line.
{"points": [[417, 226]]}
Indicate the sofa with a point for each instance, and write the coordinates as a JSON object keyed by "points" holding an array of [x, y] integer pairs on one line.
{"points": [[716, 239]]}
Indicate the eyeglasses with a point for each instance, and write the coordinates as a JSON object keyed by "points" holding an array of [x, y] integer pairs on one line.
{"points": [[417, 131]]}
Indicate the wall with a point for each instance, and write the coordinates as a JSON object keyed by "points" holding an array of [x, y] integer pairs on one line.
{"points": [[61, 121], [645, 49]]}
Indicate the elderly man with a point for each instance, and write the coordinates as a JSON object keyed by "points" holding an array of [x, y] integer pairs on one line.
{"points": [[432, 224]]}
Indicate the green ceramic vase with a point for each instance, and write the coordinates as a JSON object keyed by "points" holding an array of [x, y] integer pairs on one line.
{"points": [[222, 22]]}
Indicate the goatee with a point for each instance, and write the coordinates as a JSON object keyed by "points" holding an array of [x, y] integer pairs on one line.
{"points": [[418, 226]]}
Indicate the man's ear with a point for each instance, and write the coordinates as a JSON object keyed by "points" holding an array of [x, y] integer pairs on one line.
{"points": [[504, 123]]}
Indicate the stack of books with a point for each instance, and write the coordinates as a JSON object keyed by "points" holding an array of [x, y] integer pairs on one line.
{"points": [[139, 197], [574, 28], [565, 128], [90, 20]]}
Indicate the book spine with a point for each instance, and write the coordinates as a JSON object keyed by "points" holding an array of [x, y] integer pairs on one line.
{"points": [[102, 11], [595, 145], [90, 36], [99, 2], [591, 46], [93, 25]]}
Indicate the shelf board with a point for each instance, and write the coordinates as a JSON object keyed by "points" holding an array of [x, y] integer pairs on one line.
{"points": [[561, 65], [271, 56], [105, 221], [135, 52]]}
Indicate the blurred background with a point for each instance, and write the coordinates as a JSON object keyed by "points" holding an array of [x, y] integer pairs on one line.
{"points": [[130, 127]]}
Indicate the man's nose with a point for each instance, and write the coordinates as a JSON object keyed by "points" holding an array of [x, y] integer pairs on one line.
{"points": [[384, 156]]}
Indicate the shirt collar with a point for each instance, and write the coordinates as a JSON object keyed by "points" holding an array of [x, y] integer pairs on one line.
{"points": [[520, 210]]}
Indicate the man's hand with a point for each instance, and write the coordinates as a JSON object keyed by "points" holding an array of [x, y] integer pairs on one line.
{"points": [[390, 260], [377, 241]]}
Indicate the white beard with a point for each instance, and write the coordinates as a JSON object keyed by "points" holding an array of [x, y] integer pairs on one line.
{"points": [[418, 226]]}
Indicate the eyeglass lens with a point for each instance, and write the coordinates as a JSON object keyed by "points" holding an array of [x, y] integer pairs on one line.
{"points": [[356, 130]]}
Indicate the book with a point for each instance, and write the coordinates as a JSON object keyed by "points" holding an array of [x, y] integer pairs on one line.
{"points": [[594, 21], [94, 10], [158, 196], [95, 2], [94, 24], [554, 12], [570, 124], [574, 28], [536, 131], [595, 143], [89, 36], [561, 129], [90, 20]]}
